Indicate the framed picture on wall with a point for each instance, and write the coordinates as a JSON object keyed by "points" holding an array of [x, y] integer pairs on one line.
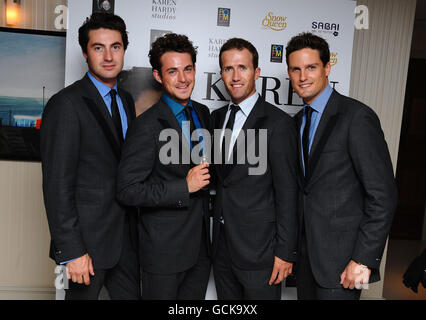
{"points": [[32, 65]]}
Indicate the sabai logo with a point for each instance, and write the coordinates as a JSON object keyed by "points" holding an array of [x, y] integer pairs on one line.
{"points": [[223, 17], [164, 9], [276, 23], [333, 58], [277, 53], [326, 27]]}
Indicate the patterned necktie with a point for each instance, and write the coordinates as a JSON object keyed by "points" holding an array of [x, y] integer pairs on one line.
{"points": [[305, 137], [229, 125], [115, 113]]}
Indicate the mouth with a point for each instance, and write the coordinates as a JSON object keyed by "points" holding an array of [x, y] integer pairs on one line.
{"points": [[305, 85], [109, 67], [236, 86], [183, 87]]}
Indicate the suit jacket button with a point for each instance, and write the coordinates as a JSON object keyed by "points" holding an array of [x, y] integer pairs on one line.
{"points": [[58, 252], [180, 204]]}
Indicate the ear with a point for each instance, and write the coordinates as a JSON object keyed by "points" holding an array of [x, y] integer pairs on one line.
{"points": [[157, 76], [257, 73], [84, 54], [327, 68]]}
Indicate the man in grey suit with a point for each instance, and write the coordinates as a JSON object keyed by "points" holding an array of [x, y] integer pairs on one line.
{"points": [[348, 194], [255, 213], [83, 127], [174, 231]]}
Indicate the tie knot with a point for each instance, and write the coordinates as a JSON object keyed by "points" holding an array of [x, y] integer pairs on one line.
{"points": [[308, 110], [188, 108], [113, 93], [235, 108]]}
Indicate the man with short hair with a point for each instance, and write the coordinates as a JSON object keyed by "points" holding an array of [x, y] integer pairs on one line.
{"points": [[172, 197], [348, 194], [82, 130], [255, 213]]}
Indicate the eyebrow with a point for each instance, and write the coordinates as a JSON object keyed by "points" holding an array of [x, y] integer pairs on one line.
{"points": [[306, 66]]}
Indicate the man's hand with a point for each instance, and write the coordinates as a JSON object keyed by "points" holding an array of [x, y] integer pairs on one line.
{"points": [[80, 269], [281, 271], [198, 177], [354, 276]]}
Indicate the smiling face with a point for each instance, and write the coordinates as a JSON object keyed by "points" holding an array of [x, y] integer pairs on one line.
{"points": [[308, 75], [177, 75], [105, 55], [238, 74]]}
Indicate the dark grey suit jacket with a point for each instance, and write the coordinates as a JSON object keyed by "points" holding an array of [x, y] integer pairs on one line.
{"points": [[170, 218], [80, 151], [260, 211], [349, 196]]}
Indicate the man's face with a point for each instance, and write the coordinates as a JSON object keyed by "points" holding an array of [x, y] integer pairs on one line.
{"points": [[238, 74], [105, 55], [177, 75], [307, 74]]}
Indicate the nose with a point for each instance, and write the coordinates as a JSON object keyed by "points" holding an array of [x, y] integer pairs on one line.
{"points": [[181, 76], [236, 75], [107, 55], [302, 75]]}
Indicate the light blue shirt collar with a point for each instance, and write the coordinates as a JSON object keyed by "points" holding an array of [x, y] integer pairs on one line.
{"points": [[321, 101], [102, 87]]}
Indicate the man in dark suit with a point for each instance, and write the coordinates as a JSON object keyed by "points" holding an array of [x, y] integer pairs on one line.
{"points": [[156, 175], [82, 130], [348, 195], [255, 213]]}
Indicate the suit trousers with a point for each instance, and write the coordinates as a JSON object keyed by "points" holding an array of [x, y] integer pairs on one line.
{"points": [[309, 289], [190, 284], [122, 281], [233, 283]]}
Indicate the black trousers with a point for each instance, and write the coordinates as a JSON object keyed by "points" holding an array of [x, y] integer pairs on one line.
{"points": [[122, 281], [233, 283], [190, 284], [309, 289]]}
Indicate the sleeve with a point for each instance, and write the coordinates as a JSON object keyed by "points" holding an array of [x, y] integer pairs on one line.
{"points": [[135, 183], [59, 146], [372, 163], [283, 162]]}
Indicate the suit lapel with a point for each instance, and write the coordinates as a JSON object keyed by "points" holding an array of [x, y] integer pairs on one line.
{"points": [[298, 119], [128, 106], [325, 127], [97, 107]]}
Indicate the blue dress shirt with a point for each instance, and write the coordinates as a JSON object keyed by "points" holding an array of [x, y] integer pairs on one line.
{"points": [[179, 112], [318, 106], [104, 92]]}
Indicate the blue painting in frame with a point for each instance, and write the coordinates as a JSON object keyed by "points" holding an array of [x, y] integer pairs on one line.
{"points": [[32, 65]]}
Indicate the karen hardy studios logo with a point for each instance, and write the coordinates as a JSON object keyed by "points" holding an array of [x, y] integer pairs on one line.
{"points": [[164, 9], [333, 58], [277, 53], [223, 17]]}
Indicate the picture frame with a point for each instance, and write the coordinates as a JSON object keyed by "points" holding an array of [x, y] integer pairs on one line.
{"points": [[33, 69]]}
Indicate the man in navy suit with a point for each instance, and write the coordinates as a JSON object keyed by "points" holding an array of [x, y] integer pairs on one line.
{"points": [[347, 189]]}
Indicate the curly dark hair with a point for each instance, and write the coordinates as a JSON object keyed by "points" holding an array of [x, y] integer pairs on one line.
{"points": [[308, 40], [102, 20], [170, 42], [239, 44]]}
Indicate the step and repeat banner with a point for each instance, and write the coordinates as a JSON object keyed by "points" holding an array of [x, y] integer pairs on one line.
{"points": [[268, 24]]}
